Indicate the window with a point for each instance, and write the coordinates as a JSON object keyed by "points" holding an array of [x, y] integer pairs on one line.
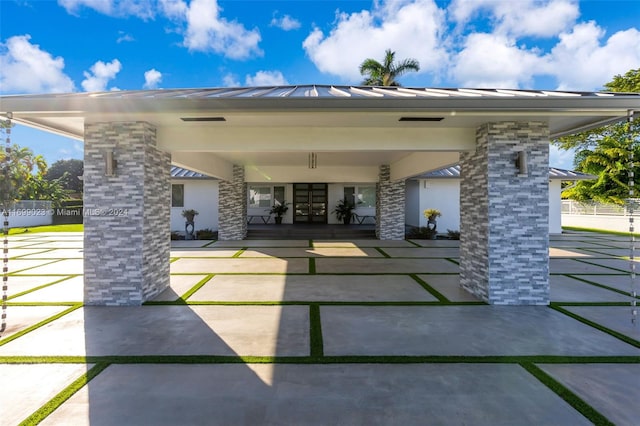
{"points": [[278, 194], [177, 195], [362, 196], [259, 196], [366, 196]]}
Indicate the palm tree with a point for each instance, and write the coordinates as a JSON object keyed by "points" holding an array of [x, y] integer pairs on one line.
{"points": [[385, 74]]}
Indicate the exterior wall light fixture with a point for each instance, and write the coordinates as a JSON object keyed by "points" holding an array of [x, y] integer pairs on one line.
{"points": [[313, 160], [110, 164], [521, 163]]}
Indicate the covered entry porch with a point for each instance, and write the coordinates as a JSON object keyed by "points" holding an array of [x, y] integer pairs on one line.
{"points": [[359, 134]]}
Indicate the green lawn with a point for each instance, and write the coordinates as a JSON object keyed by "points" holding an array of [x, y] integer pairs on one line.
{"points": [[47, 228]]}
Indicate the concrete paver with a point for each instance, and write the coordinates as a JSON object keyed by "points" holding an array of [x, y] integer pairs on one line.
{"points": [[171, 330], [449, 287], [570, 266], [437, 252], [611, 389], [461, 330], [21, 266], [312, 252], [567, 289], [26, 381], [617, 318], [179, 285], [386, 266], [22, 317], [69, 290], [235, 265], [500, 393], [313, 288], [257, 394], [18, 284], [615, 280], [203, 252]]}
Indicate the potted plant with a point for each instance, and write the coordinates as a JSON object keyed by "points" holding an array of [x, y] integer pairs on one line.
{"points": [[344, 211], [279, 209], [189, 214], [432, 225]]}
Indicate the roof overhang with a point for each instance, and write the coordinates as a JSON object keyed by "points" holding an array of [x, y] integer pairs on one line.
{"points": [[268, 128]]}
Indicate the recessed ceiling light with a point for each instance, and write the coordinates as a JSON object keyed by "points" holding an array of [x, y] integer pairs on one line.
{"points": [[421, 118], [203, 119]]}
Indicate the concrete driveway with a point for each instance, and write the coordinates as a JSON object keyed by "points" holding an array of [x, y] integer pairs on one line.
{"points": [[316, 333]]}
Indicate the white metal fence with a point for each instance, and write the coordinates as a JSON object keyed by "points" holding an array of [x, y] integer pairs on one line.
{"points": [[597, 209], [28, 213]]}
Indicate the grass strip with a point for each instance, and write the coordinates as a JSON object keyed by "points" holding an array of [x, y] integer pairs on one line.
{"points": [[613, 268], [210, 243], [312, 266], [413, 242], [22, 293], [606, 287], [571, 398], [599, 231], [307, 302], [453, 261], [48, 408], [240, 252], [315, 331], [47, 228], [310, 243], [435, 293], [589, 303], [382, 252], [196, 287], [335, 359], [21, 333], [593, 324]]}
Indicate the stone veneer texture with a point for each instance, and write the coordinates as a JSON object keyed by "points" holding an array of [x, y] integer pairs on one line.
{"points": [[504, 217], [390, 206], [126, 222], [233, 207]]}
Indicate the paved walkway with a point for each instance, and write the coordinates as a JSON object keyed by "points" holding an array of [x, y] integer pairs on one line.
{"points": [[322, 333]]}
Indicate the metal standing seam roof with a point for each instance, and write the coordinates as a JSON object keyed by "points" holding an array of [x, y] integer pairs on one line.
{"points": [[329, 91], [179, 172], [453, 172]]}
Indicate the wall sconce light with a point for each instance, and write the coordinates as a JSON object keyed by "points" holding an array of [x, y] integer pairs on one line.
{"points": [[521, 163], [313, 160], [110, 164]]}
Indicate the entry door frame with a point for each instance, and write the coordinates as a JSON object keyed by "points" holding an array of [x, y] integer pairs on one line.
{"points": [[317, 203]]}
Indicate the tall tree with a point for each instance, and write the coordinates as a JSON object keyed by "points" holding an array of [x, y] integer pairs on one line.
{"points": [[69, 172], [604, 152], [386, 73]]}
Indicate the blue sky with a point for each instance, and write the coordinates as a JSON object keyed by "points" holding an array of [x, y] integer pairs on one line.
{"points": [[93, 45]]}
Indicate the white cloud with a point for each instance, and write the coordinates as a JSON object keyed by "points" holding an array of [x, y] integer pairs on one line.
{"points": [[266, 78], [413, 29], [152, 78], [230, 80], [25, 68], [144, 9], [124, 37], [100, 75], [560, 158], [519, 18], [489, 60], [580, 61], [286, 23], [207, 31]]}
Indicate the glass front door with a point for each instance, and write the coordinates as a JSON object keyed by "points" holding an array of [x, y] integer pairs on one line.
{"points": [[310, 200]]}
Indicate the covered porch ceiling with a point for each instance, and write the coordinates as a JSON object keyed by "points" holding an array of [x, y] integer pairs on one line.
{"points": [[270, 128]]}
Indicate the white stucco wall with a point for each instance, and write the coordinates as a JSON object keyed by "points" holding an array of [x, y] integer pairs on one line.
{"points": [[412, 211], [263, 211], [444, 195], [200, 195], [555, 206]]}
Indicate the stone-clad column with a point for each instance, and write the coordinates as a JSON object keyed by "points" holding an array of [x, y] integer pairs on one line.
{"points": [[504, 216], [126, 222], [390, 205], [232, 207]]}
